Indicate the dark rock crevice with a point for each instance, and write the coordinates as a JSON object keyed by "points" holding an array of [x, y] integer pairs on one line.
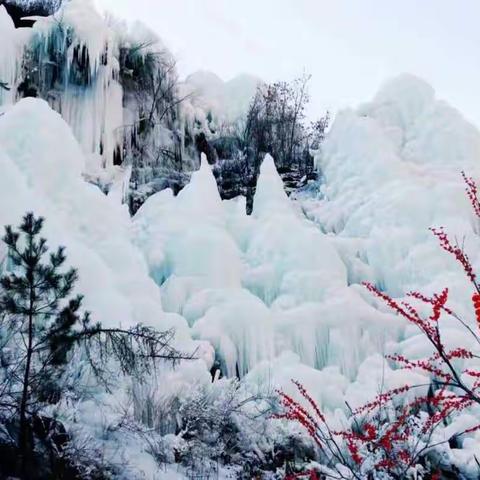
{"points": [[18, 10]]}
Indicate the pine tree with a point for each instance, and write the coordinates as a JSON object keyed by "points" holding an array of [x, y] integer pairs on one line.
{"points": [[37, 305], [41, 324]]}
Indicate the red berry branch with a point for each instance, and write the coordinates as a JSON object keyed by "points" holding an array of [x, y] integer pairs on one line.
{"points": [[456, 251], [472, 193], [373, 445]]}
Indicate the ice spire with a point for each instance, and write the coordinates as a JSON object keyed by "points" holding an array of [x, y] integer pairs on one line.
{"points": [[200, 197], [270, 196]]}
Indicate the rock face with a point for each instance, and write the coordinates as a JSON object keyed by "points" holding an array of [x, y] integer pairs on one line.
{"points": [[18, 10], [204, 146]]}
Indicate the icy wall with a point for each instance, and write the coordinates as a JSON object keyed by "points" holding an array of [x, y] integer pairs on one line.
{"points": [[392, 170], [70, 60], [287, 278], [102, 77]]}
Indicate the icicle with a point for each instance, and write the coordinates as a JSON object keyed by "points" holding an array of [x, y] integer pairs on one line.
{"points": [[90, 95], [8, 57]]}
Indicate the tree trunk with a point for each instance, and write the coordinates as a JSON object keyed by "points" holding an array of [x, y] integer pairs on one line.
{"points": [[23, 446]]}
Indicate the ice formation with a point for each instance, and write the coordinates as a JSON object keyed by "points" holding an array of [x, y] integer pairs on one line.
{"points": [[392, 170], [265, 297], [198, 265], [249, 288], [382, 190], [78, 61], [91, 98], [8, 54]]}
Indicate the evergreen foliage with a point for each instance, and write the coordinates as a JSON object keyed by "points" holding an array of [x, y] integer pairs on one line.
{"points": [[41, 325], [38, 319]]}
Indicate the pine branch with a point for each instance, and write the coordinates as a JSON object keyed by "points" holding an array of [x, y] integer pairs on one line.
{"points": [[136, 349]]}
